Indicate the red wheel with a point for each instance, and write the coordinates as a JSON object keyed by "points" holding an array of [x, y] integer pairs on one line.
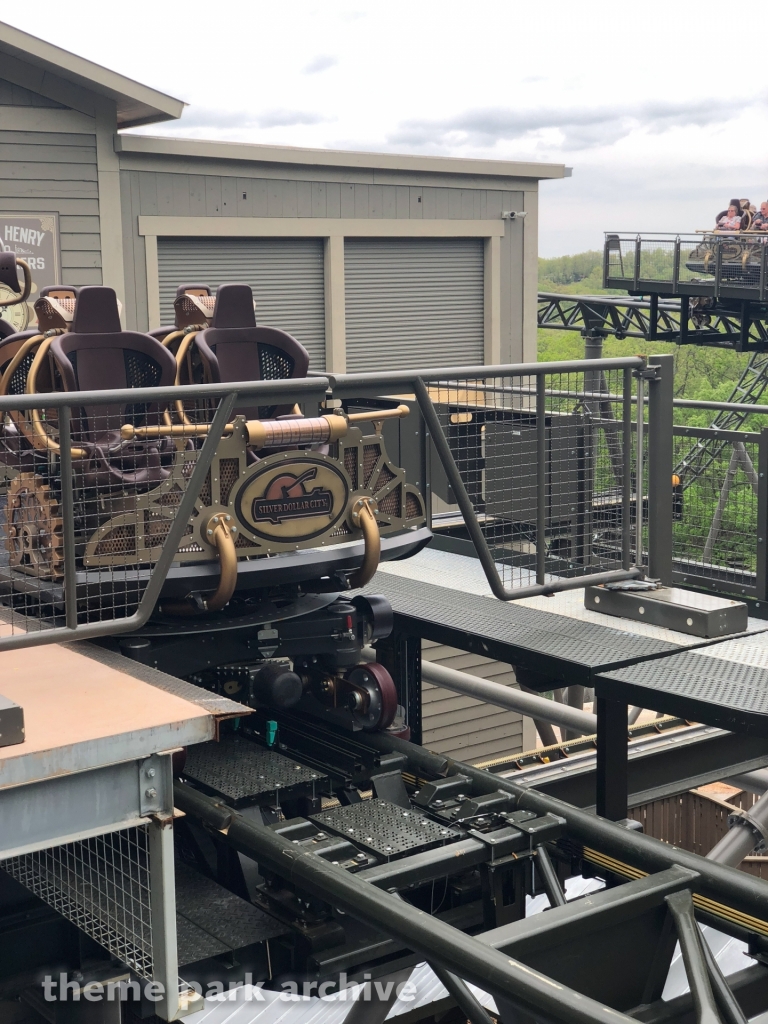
{"points": [[377, 683]]}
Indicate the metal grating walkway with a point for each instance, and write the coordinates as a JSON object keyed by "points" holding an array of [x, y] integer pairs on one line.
{"points": [[211, 921], [724, 684], [557, 646]]}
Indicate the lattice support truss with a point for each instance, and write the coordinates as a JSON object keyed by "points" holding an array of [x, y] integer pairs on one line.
{"points": [[627, 317], [748, 391]]}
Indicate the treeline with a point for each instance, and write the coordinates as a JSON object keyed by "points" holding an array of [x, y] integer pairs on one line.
{"points": [[580, 273], [700, 373]]}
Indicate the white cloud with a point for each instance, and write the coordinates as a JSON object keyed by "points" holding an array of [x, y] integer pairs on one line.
{"points": [[320, 63], [660, 127]]}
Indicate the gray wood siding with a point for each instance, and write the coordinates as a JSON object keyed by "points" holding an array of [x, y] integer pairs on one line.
{"points": [[465, 728], [55, 172], [17, 96], [176, 194]]}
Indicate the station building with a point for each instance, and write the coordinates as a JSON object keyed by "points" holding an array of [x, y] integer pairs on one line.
{"points": [[372, 260]]}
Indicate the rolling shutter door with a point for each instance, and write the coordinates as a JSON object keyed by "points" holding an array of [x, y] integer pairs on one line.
{"points": [[286, 275], [413, 302]]}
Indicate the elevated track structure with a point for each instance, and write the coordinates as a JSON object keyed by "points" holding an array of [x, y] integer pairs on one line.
{"points": [[704, 290]]}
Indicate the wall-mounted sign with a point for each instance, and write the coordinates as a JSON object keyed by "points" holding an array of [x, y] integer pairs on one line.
{"points": [[34, 237]]}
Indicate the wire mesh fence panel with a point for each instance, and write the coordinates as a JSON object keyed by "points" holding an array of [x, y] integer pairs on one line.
{"points": [[657, 259], [543, 460], [103, 494], [620, 257], [719, 260], [695, 259], [101, 885], [716, 511], [739, 259], [106, 507]]}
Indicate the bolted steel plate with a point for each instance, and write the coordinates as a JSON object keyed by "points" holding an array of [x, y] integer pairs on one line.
{"points": [[384, 828]]}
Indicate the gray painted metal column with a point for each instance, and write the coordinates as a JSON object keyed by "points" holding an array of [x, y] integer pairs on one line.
{"points": [[660, 456], [162, 885]]}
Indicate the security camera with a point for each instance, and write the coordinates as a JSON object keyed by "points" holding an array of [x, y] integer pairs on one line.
{"points": [[513, 215]]}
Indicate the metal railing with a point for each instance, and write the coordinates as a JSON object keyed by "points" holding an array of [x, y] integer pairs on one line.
{"points": [[539, 462], [544, 483], [720, 510], [46, 594], [713, 263]]}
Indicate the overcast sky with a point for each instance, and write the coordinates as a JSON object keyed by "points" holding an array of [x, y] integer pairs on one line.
{"points": [[660, 107]]}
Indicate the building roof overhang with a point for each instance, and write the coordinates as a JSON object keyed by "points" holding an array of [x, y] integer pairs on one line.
{"points": [[354, 160], [42, 67]]}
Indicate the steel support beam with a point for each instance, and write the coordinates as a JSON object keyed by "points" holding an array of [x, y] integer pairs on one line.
{"points": [[493, 971], [660, 461], [658, 766], [718, 882], [681, 908]]}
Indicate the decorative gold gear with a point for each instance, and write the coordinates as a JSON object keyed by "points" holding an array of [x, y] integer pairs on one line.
{"points": [[35, 539]]}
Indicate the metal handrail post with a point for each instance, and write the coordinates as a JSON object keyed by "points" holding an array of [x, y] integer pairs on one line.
{"points": [[676, 265], [660, 462], [541, 480], [68, 516], [626, 478], [639, 468]]}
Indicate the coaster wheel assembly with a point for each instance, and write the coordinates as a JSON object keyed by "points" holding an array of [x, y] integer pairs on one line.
{"points": [[35, 528], [372, 696]]}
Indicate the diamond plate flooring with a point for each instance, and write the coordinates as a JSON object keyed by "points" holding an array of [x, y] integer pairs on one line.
{"points": [[465, 574], [570, 648]]}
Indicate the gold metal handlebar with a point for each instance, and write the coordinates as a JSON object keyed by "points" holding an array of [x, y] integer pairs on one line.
{"points": [[398, 413], [363, 515], [24, 349], [219, 534], [38, 436], [261, 433], [265, 433], [222, 539]]}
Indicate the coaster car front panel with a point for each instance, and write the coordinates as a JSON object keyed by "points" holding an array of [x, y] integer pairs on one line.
{"points": [[288, 501]]}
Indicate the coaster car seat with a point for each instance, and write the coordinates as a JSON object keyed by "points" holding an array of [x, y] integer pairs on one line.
{"points": [[189, 313], [97, 355], [235, 349], [54, 309]]}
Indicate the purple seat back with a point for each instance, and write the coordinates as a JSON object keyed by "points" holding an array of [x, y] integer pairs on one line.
{"points": [[9, 346], [98, 355], [234, 348]]}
